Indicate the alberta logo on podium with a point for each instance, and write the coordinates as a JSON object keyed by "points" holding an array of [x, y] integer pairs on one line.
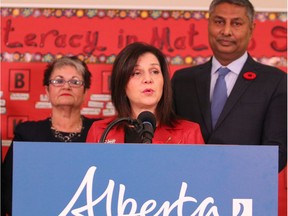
{"points": [[241, 207]]}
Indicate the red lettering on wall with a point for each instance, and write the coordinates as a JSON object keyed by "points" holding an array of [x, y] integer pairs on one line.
{"points": [[192, 37], [29, 40], [280, 33], [8, 29], [163, 40]]}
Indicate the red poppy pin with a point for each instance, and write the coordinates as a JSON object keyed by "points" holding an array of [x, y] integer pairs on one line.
{"points": [[249, 75]]}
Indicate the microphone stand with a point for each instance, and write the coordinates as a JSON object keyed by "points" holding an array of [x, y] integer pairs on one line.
{"points": [[117, 121], [146, 135]]}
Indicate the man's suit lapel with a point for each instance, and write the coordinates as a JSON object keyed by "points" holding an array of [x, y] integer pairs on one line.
{"points": [[239, 88], [203, 91]]}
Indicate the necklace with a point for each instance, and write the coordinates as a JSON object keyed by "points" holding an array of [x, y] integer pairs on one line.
{"points": [[67, 136]]}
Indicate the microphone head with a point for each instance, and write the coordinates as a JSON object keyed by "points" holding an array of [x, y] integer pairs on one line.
{"points": [[147, 117]]}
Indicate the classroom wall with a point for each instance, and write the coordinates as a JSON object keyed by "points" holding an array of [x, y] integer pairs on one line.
{"points": [[35, 33]]}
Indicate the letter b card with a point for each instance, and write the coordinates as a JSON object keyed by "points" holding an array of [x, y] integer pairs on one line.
{"points": [[19, 80]]}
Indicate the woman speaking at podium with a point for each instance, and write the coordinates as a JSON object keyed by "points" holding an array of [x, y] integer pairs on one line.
{"points": [[142, 95]]}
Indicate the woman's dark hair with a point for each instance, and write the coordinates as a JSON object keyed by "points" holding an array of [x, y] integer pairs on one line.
{"points": [[121, 72], [73, 61]]}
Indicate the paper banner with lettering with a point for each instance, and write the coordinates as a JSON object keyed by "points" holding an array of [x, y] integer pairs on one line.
{"points": [[32, 37]]}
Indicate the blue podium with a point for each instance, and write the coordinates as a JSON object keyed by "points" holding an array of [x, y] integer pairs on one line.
{"points": [[144, 179]]}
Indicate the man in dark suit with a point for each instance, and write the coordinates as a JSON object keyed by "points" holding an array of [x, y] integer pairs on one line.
{"points": [[255, 111]]}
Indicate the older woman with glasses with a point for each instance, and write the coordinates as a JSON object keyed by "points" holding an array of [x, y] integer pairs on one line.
{"points": [[66, 81]]}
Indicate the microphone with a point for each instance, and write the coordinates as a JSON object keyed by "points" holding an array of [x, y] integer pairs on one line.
{"points": [[145, 125], [148, 121]]}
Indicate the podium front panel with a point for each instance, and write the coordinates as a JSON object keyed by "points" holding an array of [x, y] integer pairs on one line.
{"points": [[144, 179]]}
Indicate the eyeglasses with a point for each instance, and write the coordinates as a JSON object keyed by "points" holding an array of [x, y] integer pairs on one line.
{"points": [[74, 83]]}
